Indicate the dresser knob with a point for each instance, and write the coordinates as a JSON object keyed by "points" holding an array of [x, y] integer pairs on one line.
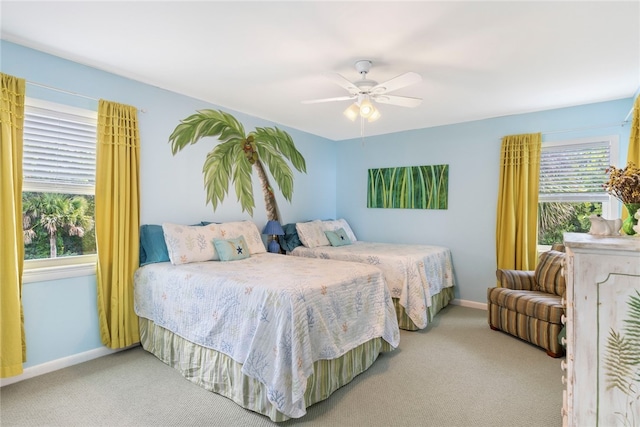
{"points": [[563, 341], [563, 365], [564, 380], [563, 319]]}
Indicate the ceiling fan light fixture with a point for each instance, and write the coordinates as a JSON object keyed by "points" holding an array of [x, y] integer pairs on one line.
{"points": [[374, 116], [352, 112], [366, 108]]}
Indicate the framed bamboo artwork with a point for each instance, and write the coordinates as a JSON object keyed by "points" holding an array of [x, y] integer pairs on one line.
{"points": [[408, 187]]}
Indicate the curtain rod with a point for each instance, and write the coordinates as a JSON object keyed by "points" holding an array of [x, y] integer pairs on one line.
{"points": [[624, 122], [61, 90], [70, 93], [635, 95], [586, 128]]}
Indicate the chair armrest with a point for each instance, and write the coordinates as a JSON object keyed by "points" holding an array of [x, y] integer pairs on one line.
{"points": [[522, 280]]}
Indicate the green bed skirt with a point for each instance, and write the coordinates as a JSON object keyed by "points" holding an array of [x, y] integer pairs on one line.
{"points": [[438, 302], [220, 374]]}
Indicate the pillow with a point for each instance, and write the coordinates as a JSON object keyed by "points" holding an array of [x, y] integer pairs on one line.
{"points": [[231, 249], [188, 243], [248, 229], [290, 240], [312, 234], [338, 237], [152, 246], [549, 273], [340, 223]]}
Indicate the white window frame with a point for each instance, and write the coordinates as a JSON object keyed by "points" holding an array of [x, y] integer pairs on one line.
{"points": [[38, 270], [610, 209]]}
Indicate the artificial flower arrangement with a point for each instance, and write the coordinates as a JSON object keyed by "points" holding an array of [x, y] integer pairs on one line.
{"points": [[624, 185]]}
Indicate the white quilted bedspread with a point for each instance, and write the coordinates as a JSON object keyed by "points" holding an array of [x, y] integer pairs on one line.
{"points": [[414, 273], [274, 314]]}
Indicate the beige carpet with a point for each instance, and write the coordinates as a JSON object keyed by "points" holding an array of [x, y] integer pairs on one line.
{"points": [[457, 372]]}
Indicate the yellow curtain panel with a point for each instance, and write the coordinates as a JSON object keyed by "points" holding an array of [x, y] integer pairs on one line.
{"points": [[13, 350], [633, 154], [517, 216], [117, 221]]}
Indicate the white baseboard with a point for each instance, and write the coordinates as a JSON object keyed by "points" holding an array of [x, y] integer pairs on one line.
{"points": [[470, 304], [65, 362]]}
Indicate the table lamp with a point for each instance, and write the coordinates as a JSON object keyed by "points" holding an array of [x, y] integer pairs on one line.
{"points": [[274, 229]]}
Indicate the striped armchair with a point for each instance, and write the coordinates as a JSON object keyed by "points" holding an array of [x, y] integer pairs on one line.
{"points": [[529, 304]]}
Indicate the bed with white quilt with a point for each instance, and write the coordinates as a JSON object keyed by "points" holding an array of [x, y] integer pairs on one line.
{"points": [[419, 277], [273, 333]]}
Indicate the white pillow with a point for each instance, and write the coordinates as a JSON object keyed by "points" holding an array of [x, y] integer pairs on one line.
{"points": [[337, 224], [248, 229], [311, 234], [190, 243]]}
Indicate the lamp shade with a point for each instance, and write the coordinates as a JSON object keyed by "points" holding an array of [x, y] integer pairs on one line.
{"points": [[352, 112], [366, 108], [374, 116], [273, 228]]}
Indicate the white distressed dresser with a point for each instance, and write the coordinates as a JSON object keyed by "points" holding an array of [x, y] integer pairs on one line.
{"points": [[602, 367]]}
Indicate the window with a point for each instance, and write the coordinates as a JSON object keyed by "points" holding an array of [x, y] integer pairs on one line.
{"points": [[572, 174], [58, 188]]}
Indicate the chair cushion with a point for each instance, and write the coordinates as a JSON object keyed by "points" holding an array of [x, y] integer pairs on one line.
{"points": [[540, 305], [549, 273]]}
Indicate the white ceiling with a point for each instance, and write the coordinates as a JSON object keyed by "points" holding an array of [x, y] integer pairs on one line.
{"points": [[477, 59]]}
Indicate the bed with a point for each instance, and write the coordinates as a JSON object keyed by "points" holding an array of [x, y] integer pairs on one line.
{"points": [[419, 277], [271, 332]]}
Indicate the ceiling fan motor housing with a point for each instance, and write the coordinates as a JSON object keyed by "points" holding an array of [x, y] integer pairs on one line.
{"points": [[363, 66]]}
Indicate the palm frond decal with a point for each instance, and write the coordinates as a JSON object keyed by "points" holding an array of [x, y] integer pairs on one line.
{"points": [[232, 160]]}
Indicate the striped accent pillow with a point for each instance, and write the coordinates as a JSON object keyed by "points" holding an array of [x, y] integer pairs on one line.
{"points": [[549, 273]]}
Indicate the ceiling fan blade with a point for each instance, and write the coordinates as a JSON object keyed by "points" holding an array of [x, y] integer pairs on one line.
{"points": [[343, 82], [338, 98], [398, 82], [402, 101]]}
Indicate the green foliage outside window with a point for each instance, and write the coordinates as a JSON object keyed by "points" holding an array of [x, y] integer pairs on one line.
{"points": [[57, 225], [555, 218]]}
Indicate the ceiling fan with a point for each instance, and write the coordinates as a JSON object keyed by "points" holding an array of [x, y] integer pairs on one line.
{"points": [[364, 91]]}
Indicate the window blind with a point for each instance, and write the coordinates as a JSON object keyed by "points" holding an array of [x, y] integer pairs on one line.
{"points": [[575, 172], [59, 149]]}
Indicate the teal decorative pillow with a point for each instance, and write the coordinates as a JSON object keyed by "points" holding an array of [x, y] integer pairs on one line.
{"points": [[290, 240], [152, 246], [338, 237], [231, 249], [333, 225]]}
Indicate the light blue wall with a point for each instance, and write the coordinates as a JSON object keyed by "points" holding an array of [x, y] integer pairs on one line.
{"points": [[472, 151], [61, 315], [60, 318]]}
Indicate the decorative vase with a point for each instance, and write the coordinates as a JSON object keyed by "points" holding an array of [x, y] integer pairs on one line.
{"points": [[631, 220]]}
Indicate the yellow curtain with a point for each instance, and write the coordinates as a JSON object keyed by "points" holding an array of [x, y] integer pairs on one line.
{"points": [[117, 221], [633, 154], [517, 216], [13, 349]]}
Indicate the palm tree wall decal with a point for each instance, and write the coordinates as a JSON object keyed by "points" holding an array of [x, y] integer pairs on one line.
{"points": [[233, 159]]}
